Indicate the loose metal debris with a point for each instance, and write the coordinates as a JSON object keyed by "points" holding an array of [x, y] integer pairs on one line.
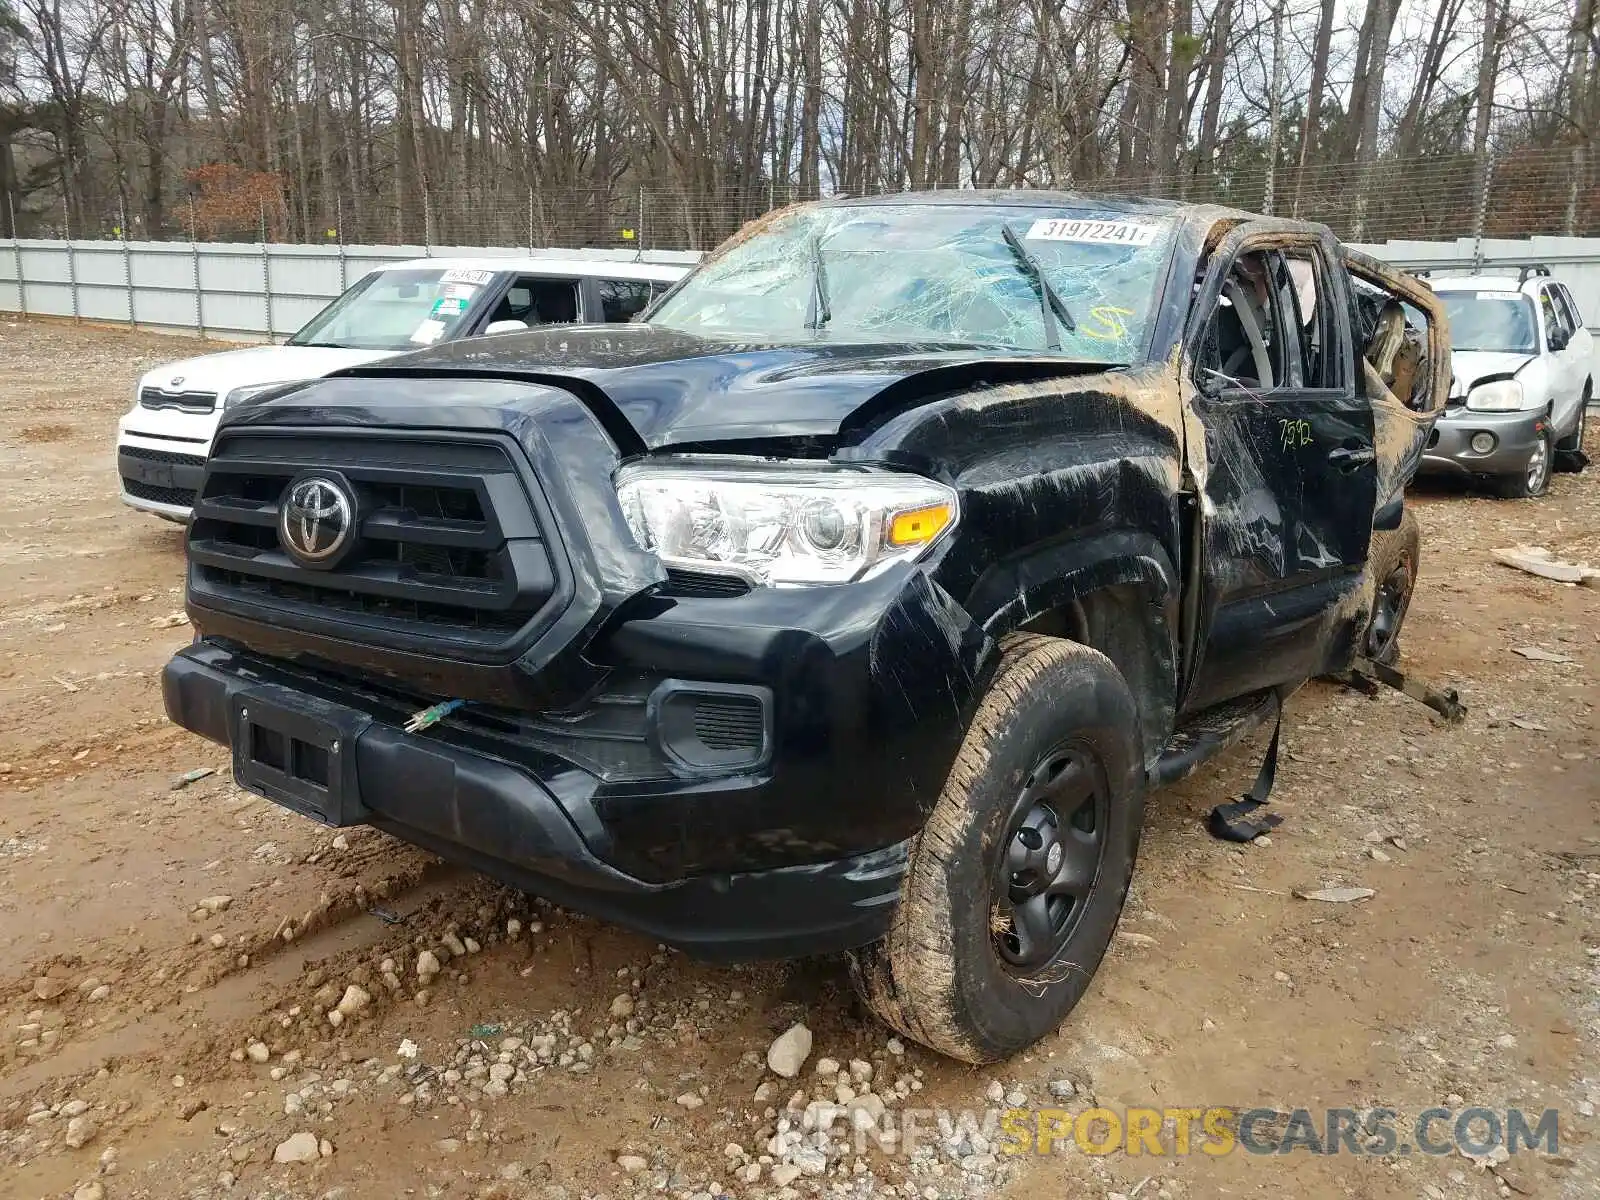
{"points": [[1366, 675]]}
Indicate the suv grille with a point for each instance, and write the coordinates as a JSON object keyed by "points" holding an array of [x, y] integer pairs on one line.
{"points": [[450, 548], [180, 497], [151, 397]]}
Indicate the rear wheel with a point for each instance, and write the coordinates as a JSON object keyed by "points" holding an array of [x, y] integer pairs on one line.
{"points": [[1569, 450], [1535, 477], [1393, 562], [1015, 884]]}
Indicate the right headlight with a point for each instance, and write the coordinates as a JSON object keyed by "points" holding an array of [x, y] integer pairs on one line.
{"points": [[1502, 395], [782, 524]]}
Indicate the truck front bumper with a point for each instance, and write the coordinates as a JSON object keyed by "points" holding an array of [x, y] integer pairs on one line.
{"points": [[798, 849], [1513, 437], [503, 820]]}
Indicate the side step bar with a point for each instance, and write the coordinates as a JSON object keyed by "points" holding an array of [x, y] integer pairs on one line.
{"points": [[1208, 733]]}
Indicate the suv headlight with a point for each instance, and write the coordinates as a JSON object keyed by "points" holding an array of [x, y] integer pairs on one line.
{"points": [[251, 391], [784, 524], [1503, 395]]}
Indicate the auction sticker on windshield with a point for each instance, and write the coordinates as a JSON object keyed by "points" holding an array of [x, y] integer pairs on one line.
{"points": [[466, 275], [428, 332], [1105, 233]]}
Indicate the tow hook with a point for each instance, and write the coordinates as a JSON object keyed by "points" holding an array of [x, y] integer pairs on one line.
{"points": [[1366, 676]]}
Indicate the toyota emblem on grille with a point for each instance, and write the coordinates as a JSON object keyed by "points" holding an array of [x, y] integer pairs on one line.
{"points": [[317, 520]]}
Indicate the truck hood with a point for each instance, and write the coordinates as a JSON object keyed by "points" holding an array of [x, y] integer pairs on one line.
{"points": [[258, 364], [674, 388], [1469, 366]]}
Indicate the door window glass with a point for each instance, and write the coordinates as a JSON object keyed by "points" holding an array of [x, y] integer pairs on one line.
{"points": [[536, 301], [623, 299], [1552, 319], [1569, 307]]}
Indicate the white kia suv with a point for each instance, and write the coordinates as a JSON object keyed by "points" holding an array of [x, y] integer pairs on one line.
{"points": [[163, 441]]}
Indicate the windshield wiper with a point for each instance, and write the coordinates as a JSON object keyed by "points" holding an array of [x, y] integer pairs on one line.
{"points": [[1053, 306], [818, 311]]}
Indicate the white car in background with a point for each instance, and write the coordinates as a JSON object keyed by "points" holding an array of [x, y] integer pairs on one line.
{"points": [[163, 441], [1522, 363]]}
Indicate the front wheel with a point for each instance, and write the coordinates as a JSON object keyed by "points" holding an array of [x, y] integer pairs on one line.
{"points": [[1534, 480], [1015, 884]]}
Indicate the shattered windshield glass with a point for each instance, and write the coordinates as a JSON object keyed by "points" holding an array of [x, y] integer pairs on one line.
{"points": [[940, 273]]}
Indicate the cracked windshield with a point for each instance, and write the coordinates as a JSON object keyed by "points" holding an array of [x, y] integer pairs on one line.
{"points": [[1079, 281]]}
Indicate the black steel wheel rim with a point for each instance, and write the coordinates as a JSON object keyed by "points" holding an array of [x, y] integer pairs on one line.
{"points": [[1050, 858], [1386, 609]]}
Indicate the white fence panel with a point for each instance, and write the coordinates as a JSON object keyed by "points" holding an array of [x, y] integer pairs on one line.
{"points": [[233, 291]]}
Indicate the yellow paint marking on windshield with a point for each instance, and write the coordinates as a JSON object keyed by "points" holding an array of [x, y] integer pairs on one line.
{"points": [[1111, 328]]}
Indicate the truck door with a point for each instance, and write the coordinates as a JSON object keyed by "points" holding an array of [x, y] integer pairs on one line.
{"points": [[1281, 450]]}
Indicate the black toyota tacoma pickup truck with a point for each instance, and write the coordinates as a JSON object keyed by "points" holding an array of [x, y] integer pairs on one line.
{"points": [[853, 601]]}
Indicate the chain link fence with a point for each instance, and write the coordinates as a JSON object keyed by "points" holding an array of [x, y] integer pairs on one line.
{"points": [[1531, 192]]}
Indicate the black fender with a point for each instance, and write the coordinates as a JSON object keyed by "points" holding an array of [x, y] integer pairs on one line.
{"points": [[1122, 591]]}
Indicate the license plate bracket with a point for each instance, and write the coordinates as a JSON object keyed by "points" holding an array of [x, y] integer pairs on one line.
{"points": [[300, 752], [153, 474]]}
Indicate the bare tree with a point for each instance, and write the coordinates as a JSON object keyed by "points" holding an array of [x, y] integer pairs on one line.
{"points": [[673, 121]]}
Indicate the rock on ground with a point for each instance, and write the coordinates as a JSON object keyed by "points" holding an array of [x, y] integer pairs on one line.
{"points": [[788, 1053], [80, 1132], [300, 1148]]}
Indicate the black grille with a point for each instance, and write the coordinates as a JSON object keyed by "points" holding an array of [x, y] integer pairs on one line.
{"points": [[190, 401], [729, 722], [451, 549], [161, 456], [182, 497], [702, 583]]}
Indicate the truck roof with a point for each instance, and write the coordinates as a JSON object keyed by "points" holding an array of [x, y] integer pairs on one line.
{"points": [[1478, 283], [1195, 215]]}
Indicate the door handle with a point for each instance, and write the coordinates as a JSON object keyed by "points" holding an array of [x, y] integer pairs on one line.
{"points": [[1348, 458]]}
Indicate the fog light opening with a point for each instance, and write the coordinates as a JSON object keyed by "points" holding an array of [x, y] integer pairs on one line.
{"points": [[1482, 443]]}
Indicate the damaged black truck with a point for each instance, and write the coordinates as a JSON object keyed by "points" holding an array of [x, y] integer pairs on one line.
{"points": [[853, 601]]}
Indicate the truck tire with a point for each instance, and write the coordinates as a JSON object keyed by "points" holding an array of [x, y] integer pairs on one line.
{"points": [[1015, 884], [1393, 561]]}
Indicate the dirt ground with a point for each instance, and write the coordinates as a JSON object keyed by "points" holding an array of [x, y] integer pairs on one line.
{"points": [[151, 1047]]}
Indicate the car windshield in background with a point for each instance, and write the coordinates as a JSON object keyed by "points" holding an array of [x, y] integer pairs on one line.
{"points": [[397, 310], [1490, 321], [937, 273]]}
